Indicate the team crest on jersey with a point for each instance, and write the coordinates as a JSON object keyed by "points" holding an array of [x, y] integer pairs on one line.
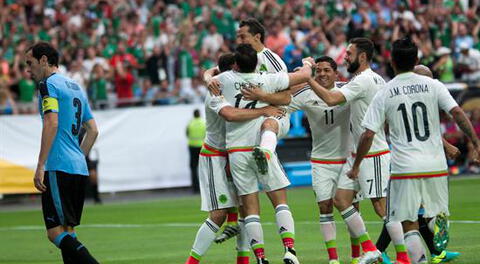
{"points": [[263, 68], [223, 198]]}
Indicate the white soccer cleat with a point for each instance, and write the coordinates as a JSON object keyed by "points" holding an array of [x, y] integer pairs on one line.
{"points": [[370, 257], [290, 256]]}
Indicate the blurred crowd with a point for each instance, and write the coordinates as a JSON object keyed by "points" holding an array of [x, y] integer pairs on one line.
{"points": [[142, 52]]}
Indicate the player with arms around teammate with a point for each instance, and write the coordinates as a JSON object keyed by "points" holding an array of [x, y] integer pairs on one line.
{"points": [[241, 138], [216, 186], [373, 179], [410, 104], [61, 173], [252, 32]]}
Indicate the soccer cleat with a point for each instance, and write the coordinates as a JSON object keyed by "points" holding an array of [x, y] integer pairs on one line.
{"points": [[334, 261], [445, 256], [228, 232], [261, 158], [370, 257], [290, 256], [440, 232], [355, 261], [262, 261], [386, 258]]}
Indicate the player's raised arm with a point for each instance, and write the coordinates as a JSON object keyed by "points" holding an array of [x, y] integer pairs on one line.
{"points": [[331, 98], [303, 74], [257, 94], [213, 84]]}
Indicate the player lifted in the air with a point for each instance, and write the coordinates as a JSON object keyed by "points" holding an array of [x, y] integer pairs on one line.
{"points": [[410, 104], [242, 137]]}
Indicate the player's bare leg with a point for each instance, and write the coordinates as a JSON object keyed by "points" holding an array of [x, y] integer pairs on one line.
{"points": [[231, 228], [285, 224], [343, 202], [268, 144]]}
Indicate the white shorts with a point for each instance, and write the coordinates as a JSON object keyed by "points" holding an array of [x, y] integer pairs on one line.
{"points": [[216, 189], [247, 178], [325, 179], [372, 179], [283, 125], [405, 197]]}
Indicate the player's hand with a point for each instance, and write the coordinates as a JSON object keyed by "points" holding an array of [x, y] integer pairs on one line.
{"points": [[213, 86], [309, 60], [353, 173], [253, 93], [38, 179], [273, 111], [452, 152]]}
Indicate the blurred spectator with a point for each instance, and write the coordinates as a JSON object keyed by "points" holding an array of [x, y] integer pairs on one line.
{"points": [[475, 118], [97, 87], [163, 96], [7, 104], [277, 39], [468, 63], [212, 41], [123, 83], [156, 66], [26, 94], [444, 66]]}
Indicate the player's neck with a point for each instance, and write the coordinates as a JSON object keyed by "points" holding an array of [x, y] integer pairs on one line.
{"points": [[362, 68], [258, 47], [49, 71]]}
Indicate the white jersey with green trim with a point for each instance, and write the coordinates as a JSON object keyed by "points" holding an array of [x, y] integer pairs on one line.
{"points": [[215, 124], [410, 104], [330, 126], [246, 134], [269, 61], [359, 92]]}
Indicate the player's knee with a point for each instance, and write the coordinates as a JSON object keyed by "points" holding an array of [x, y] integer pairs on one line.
{"points": [[326, 207], [52, 235], [270, 124], [218, 216], [340, 203]]}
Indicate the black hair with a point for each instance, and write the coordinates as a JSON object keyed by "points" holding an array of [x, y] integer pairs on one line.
{"points": [[226, 61], [328, 59], [45, 49], [196, 113], [364, 45], [404, 54], [254, 27], [246, 58]]}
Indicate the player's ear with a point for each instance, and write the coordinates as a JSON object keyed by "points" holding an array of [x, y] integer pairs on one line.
{"points": [[43, 60]]}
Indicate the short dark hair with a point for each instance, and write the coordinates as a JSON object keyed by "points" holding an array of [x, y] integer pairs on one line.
{"points": [[404, 54], [254, 27], [364, 45], [328, 59], [246, 58], [43, 48], [226, 61], [196, 113]]}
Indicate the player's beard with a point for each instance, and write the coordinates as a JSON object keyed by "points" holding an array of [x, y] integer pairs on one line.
{"points": [[353, 66]]}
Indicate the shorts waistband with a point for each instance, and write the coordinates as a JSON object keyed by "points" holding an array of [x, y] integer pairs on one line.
{"points": [[374, 154], [209, 151], [328, 161], [240, 149], [419, 175]]}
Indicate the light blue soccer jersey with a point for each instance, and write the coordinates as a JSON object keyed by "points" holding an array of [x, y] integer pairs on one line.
{"points": [[64, 96]]}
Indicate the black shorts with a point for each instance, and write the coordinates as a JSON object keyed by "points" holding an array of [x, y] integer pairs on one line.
{"points": [[62, 202]]}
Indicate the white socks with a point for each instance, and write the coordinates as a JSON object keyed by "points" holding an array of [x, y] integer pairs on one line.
{"points": [[415, 248], [327, 226], [395, 231], [268, 140], [254, 230], [205, 236], [242, 238], [354, 221]]}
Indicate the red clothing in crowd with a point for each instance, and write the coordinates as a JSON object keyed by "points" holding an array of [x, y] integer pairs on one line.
{"points": [[124, 85]]}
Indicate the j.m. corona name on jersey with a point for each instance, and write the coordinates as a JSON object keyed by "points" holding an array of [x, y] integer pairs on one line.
{"points": [[409, 89]]}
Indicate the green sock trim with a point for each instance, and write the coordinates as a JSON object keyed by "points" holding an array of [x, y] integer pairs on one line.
{"points": [[287, 235], [400, 248], [243, 253], [257, 246], [331, 244], [355, 241], [194, 255], [364, 237]]}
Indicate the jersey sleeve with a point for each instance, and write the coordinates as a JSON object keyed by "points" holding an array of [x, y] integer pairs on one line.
{"points": [[375, 116], [298, 100], [216, 103], [352, 90], [49, 97], [445, 99], [276, 82]]}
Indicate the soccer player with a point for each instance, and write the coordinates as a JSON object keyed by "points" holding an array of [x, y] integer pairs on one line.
{"points": [[252, 32], [241, 139], [216, 187], [61, 173], [375, 171], [410, 104]]}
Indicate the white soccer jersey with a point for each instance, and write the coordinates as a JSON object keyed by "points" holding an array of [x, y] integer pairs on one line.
{"points": [[269, 61], [215, 124], [330, 126], [359, 92], [410, 104], [246, 134]]}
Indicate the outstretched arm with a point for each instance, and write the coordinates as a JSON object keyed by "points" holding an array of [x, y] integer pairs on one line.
{"points": [[232, 114], [331, 98], [257, 94], [466, 126]]}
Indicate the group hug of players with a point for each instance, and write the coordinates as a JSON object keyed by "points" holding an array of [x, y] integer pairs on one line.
{"points": [[248, 110]]}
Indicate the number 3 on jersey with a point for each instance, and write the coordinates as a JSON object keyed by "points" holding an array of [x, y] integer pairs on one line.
{"points": [[250, 105], [78, 116]]}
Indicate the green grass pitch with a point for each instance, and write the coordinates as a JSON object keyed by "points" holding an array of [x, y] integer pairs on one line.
{"points": [[162, 231]]}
